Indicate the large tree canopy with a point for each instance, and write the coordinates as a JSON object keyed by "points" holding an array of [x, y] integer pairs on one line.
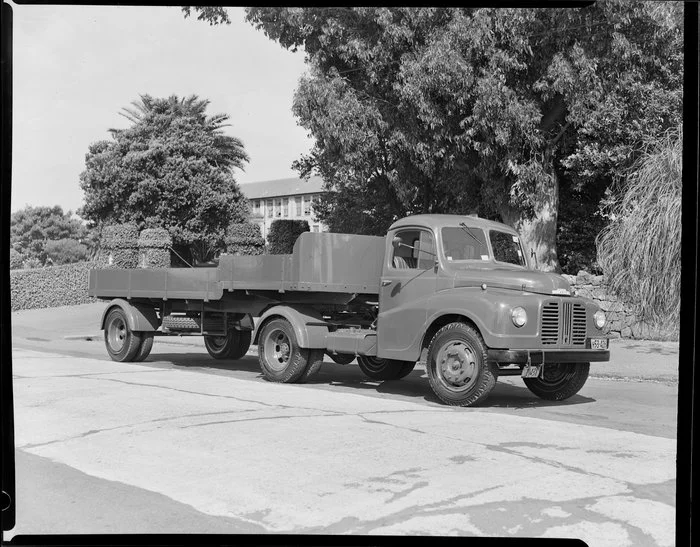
{"points": [[478, 110], [171, 169], [35, 233]]}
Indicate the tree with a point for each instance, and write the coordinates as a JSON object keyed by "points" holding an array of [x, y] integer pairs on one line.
{"points": [[32, 228], [172, 168], [486, 110], [283, 235], [65, 251]]}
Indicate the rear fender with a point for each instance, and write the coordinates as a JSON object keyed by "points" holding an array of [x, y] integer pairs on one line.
{"points": [[308, 336], [139, 317]]}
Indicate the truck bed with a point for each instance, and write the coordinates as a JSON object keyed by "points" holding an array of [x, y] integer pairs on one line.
{"points": [[320, 262]]}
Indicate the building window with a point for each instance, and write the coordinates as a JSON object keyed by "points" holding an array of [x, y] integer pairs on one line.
{"points": [[307, 206], [314, 228], [285, 208], [269, 208], [297, 201], [256, 207]]}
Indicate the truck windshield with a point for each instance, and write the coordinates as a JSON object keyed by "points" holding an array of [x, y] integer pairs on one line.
{"points": [[464, 243], [506, 248]]}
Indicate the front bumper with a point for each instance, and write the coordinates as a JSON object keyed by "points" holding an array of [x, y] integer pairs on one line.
{"points": [[539, 357]]}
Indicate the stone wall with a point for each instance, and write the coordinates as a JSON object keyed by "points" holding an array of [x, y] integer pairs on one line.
{"points": [[621, 317]]}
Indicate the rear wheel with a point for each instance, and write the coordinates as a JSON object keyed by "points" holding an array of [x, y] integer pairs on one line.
{"points": [[233, 345], [457, 368], [315, 361], [559, 381], [122, 343], [145, 347], [341, 358], [281, 358], [377, 368]]}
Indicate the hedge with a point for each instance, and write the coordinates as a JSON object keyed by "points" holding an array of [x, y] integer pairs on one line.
{"points": [[120, 242], [154, 246], [284, 233], [50, 287], [244, 239]]}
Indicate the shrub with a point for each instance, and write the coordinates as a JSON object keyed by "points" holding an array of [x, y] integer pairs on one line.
{"points": [[31, 263], [640, 250], [65, 251], [120, 243], [154, 246], [284, 233], [244, 239], [16, 259], [50, 287]]}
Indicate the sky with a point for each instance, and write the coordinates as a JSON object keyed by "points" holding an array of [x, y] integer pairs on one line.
{"points": [[76, 67]]}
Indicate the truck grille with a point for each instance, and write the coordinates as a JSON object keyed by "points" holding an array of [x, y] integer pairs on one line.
{"points": [[563, 323]]}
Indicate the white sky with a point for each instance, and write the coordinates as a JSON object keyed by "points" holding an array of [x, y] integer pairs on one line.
{"points": [[75, 67]]}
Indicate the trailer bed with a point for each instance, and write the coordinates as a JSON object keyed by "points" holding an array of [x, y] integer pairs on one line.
{"points": [[320, 262]]}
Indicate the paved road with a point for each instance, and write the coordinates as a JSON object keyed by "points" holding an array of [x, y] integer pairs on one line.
{"points": [[181, 443]]}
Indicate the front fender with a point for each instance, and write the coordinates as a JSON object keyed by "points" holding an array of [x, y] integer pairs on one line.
{"points": [[308, 336], [139, 317]]}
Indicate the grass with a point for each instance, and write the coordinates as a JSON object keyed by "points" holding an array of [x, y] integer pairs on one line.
{"points": [[640, 250]]}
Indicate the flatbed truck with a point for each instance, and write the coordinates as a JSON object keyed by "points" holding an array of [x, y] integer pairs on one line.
{"points": [[456, 294]]}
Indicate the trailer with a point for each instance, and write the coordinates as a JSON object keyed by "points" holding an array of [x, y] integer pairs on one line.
{"points": [[455, 294]]}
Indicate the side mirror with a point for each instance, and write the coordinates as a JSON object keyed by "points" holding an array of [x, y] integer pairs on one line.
{"points": [[396, 242]]}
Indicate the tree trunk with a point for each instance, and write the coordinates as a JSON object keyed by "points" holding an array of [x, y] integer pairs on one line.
{"points": [[540, 232]]}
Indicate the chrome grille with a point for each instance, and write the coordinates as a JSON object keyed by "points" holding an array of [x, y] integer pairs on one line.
{"points": [[563, 323], [550, 323]]}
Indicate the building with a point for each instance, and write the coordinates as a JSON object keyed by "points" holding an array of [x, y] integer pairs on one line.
{"points": [[284, 199]]}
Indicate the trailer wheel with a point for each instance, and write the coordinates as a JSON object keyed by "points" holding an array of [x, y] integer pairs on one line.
{"points": [[458, 371], [315, 362], [281, 358], [122, 343], [145, 347], [232, 346], [377, 368], [341, 358], [559, 381]]}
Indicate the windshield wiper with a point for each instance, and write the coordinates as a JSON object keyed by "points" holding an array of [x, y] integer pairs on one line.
{"points": [[466, 231]]}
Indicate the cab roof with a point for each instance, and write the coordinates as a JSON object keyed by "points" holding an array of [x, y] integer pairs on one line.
{"points": [[437, 221]]}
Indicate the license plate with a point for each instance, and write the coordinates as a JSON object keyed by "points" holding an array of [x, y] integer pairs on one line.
{"points": [[599, 343], [531, 371]]}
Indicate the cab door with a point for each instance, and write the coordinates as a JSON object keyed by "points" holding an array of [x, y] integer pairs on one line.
{"points": [[409, 279]]}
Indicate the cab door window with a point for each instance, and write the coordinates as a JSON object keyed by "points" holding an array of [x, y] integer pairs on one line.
{"points": [[419, 252]]}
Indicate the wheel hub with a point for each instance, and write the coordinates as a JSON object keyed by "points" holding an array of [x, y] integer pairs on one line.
{"points": [[456, 363]]}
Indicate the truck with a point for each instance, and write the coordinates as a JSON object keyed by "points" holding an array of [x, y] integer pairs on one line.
{"points": [[455, 294]]}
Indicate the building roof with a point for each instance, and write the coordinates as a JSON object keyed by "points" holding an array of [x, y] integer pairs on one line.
{"points": [[282, 187]]}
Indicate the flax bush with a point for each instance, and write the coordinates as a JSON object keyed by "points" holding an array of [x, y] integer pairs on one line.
{"points": [[640, 250]]}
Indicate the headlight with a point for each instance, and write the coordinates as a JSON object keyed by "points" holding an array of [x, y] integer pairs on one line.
{"points": [[599, 319], [518, 316]]}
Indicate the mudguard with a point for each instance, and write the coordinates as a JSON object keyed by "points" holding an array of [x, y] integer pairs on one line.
{"points": [[140, 318], [308, 336]]}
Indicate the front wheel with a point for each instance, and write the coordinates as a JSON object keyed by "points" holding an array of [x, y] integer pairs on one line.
{"points": [[281, 358], [233, 345], [559, 381], [377, 368], [122, 343], [457, 368]]}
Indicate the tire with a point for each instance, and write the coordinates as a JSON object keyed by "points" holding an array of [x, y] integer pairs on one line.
{"points": [[232, 346], [122, 343], [376, 368], [281, 358], [341, 358], [315, 362], [145, 347], [559, 381], [458, 371]]}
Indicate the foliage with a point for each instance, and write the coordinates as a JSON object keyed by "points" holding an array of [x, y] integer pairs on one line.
{"points": [[462, 109], [244, 239], [640, 251], [154, 248], [172, 168], [31, 263], [65, 251], [119, 247], [50, 287], [16, 259], [284, 233], [214, 15], [32, 227]]}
